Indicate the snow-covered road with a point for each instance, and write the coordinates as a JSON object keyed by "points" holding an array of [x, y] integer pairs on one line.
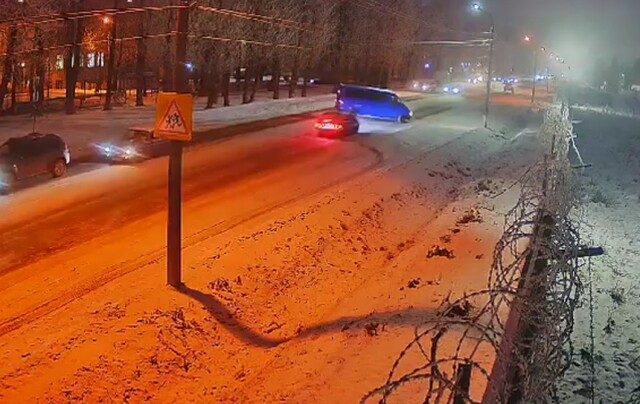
{"points": [[304, 261]]}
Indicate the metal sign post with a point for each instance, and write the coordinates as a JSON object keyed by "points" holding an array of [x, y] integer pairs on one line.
{"points": [[174, 121]]}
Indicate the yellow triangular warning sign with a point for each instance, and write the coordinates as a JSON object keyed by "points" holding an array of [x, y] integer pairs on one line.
{"points": [[173, 121], [174, 117]]}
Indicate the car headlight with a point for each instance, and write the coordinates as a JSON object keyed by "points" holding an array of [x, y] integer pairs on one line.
{"points": [[456, 90], [106, 149], [446, 89]]}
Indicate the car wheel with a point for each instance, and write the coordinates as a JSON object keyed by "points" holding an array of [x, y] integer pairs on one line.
{"points": [[59, 168]]}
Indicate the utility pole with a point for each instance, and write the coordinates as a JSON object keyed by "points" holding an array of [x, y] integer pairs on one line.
{"points": [[535, 75], [547, 80], [112, 59], [174, 227], [490, 75]]}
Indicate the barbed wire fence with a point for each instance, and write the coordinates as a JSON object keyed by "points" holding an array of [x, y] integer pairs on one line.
{"points": [[510, 342]]}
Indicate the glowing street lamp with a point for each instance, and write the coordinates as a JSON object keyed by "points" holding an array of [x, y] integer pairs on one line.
{"points": [[527, 38]]}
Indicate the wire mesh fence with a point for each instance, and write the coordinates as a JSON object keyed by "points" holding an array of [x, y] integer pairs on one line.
{"points": [[511, 341]]}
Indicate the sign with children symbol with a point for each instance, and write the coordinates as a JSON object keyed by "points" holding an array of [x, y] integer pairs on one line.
{"points": [[174, 117]]}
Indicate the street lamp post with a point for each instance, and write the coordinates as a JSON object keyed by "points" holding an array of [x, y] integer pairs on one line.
{"points": [[112, 56], [547, 74], [535, 75], [537, 48], [489, 79], [479, 9]]}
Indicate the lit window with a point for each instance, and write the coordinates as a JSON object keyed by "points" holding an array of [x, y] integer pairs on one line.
{"points": [[60, 62], [100, 59], [91, 60]]}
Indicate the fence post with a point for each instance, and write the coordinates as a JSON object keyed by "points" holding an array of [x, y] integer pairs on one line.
{"points": [[463, 383]]}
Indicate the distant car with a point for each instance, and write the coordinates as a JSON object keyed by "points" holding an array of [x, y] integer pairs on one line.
{"points": [[138, 144], [451, 90], [509, 87], [428, 86], [372, 102], [335, 124], [32, 155]]}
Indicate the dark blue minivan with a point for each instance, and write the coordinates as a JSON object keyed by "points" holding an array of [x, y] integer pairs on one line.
{"points": [[372, 103]]}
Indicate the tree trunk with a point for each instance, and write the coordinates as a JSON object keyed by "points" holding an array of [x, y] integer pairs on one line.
{"points": [[365, 75], [32, 84], [303, 92], [141, 56], [257, 80], [167, 69], [71, 61], [276, 76], [226, 79], [212, 85], [293, 82], [7, 70], [14, 85], [40, 72], [245, 86]]}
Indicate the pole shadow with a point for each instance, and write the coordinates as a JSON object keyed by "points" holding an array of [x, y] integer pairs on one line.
{"points": [[406, 317]]}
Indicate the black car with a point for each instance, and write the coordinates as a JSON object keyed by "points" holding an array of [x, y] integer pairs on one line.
{"points": [[32, 155]]}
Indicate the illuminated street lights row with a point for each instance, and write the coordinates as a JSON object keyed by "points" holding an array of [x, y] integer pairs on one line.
{"points": [[557, 58]]}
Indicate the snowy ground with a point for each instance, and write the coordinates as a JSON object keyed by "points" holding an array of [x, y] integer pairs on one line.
{"points": [[305, 262], [610, 202]]}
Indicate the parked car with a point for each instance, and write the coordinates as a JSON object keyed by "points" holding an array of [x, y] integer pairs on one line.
{"points": [[32, 155], [137, 144], [372, 103], [336, 124]]}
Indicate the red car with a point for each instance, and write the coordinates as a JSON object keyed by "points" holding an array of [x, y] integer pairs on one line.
{"points": [[335, 124]]}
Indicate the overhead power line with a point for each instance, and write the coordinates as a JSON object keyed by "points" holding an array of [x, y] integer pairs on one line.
{"points": [[61, 17], [286, 23], [152, 36]]}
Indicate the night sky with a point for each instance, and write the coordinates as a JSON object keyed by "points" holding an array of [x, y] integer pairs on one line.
{"points": [[580, 30]]}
